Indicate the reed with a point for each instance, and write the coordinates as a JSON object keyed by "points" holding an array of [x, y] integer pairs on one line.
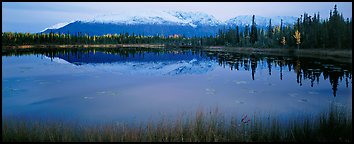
{"points": [[334, 125]]}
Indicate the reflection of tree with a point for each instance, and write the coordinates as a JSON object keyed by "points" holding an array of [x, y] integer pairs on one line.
{"points": [[281, 69], [246, 64], [297, 67], [297, 70], [253, 65], [269, 62], [237, 65], [333, 79], [305, 68], [347, 75]]}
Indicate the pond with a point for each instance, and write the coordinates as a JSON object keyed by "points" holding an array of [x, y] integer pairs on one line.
{"points": [[139, 84]]}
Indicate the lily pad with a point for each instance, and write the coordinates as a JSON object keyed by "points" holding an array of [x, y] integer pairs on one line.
{"points": [[252, 91], [302, 100], [88, 97], [43, 82], [107, 93], [210, 91], [313, 92], [239, 102], [240, 82], [293, 94]]}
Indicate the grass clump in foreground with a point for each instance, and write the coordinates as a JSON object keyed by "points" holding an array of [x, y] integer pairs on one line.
{"points": [[335, 126]]}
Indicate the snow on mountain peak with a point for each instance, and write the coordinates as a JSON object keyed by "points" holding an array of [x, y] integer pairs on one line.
{"points": [[147, 17], [58, 25], [157, 17], [260, 20], [197, 18]]}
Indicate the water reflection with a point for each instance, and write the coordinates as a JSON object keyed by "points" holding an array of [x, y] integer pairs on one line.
{"points": [[305, 68], [199, 61]]}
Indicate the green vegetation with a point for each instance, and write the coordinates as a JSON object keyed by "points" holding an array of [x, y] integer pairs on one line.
{"points": [[308, 32], [332, 126]]}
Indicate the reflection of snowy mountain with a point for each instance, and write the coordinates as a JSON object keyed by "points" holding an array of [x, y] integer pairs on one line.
{"points": [[159, 68], [57, 60], [179, 67]]}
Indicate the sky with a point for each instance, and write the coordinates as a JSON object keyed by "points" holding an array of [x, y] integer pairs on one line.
{"points": [[35, 16]]}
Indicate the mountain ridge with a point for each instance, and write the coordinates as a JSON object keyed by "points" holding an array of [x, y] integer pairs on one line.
{"points": [[162, 23]]}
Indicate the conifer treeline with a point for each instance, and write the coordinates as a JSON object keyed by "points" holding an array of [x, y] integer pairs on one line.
{"points": [[334, 32], [307, 32]]}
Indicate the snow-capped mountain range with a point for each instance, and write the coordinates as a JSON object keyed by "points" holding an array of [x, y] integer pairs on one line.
{"points": [[161, 22], [261, 21]]}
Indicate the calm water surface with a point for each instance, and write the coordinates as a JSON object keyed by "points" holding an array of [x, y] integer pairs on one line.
{"points": [[137, 84]]}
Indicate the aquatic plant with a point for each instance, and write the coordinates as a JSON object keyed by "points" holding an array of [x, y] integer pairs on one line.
{"points": [[333, 126]]}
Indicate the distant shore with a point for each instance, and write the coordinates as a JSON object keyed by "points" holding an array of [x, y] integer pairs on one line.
{"points": [[86, 46], [330, 54], [337, 55]]}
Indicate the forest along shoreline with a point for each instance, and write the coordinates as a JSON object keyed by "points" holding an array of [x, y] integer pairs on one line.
{"points": [[341, 55], [84, 46]]}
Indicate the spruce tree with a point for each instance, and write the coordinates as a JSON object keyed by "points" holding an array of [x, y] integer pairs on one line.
{"points": [[254, 37]]}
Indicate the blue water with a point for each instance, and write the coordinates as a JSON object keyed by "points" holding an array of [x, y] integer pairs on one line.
{"points": [[136, 84]]}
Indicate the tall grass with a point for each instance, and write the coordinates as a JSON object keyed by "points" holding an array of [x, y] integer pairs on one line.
{"points": [[333, 126]]}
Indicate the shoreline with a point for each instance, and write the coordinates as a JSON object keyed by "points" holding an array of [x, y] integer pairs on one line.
{"points": [[323, 54], [330, 54], [86, 46]]}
